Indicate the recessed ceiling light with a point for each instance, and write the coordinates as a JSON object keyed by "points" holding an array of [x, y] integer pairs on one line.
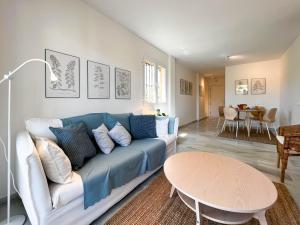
{"points": [[234, 57]]}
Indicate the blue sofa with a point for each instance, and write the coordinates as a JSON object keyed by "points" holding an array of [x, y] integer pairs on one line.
{"points": [[118, 173]]}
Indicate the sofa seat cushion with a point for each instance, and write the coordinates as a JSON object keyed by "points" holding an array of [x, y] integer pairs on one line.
{"points": [[62, 194], [104, 172], [169, 139]]}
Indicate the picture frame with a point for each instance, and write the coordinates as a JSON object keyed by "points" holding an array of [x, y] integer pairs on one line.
{"points": [[190, 88], [67, 70], [258, 86], [186, 84], [122, 84], [182, 87], [98, 80], [241, 87]]}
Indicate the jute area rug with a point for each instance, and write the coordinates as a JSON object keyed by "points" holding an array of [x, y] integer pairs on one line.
{"points": [[254, 137], [154, 207]]}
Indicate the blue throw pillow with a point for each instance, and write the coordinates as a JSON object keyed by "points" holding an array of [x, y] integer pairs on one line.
{"points": [[143, 126], [75, 142]]}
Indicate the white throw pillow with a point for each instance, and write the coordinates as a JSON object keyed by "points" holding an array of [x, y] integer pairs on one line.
{"points": [[56, 164], [39, 127], [103, 140], [120, 135], [162, 127]]}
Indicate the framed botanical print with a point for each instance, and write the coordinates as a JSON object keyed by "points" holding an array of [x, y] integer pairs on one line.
{"points": [[98, 80], [122, 84], [241, 87], [258, 86], [182, 87], [67, 70], [190, 88]]}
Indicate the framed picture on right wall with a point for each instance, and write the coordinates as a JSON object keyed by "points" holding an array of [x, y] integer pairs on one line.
{"points": [[258, 86]]}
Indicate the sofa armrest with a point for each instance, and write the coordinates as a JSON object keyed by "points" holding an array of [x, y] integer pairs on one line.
{"points": [[31, 179], [173, 125]]}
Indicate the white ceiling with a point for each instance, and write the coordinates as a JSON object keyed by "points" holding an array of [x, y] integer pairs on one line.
{"points": [[202, 33]]}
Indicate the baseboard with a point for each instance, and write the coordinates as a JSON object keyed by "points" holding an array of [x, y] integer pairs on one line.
{"points": [[203, 118], [195, 121]]}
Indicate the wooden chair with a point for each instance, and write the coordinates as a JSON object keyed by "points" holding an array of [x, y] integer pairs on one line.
{"points": [[288, 144], [221, 115]]}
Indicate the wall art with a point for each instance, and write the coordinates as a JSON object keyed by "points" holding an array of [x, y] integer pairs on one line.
{"points": [[67, 70]]}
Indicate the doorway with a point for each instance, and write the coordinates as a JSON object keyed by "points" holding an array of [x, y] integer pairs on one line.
{"points": [[216, 97]]}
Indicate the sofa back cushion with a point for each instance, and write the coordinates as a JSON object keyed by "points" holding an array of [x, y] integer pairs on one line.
{"points": [[91, 120], [143, 126], [75, 142], [123, 119], [39, 127]]}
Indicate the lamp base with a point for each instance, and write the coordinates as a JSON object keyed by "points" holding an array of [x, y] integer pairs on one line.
{"points": [[14, 220]]}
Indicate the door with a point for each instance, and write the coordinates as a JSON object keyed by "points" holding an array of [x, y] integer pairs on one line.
{"points": [[216, 99]]}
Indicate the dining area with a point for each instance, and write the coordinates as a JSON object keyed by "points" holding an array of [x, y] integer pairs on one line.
{"points": [[248, 120]]}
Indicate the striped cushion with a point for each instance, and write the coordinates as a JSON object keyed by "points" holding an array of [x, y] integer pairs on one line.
{"points": [[75, 142]]}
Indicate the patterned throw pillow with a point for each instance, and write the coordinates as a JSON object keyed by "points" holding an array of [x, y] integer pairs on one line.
{"points": [[56, 164], [143, 126], [103, 140], [120, 135], [162, 126], [75, 142]]}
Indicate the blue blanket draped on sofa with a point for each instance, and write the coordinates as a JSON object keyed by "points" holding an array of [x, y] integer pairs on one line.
{"points": [[105, 172]]}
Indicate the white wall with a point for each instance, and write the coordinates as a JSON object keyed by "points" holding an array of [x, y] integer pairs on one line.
{"points": [[266, 69], [290, 85], [70, 26], [185, 104]]}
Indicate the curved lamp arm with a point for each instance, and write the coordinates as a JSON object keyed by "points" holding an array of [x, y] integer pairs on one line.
{"points": [[8, 76]]}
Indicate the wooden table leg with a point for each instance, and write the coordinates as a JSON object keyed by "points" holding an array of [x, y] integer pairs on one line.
{"points": [[261, 217], [172, 191]]}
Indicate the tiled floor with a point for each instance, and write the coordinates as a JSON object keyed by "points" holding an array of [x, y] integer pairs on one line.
{"points": [[202, 136]]}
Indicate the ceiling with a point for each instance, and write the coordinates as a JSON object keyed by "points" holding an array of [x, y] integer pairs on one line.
{"points": [[202, 33]]}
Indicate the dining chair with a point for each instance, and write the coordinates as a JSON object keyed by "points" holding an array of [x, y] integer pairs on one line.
{"points": [[288, 144], [257, 116], [269, 121], [231, 117], [221, 115]]}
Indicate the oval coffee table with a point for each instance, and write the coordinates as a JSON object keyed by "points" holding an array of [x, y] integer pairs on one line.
{"points": [[220, 188]]}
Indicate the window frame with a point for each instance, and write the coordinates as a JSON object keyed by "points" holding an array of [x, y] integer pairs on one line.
{"points": [[156, 65]]}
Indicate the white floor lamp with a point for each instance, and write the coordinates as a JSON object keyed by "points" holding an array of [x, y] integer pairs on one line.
{"points": [[20, 219]]}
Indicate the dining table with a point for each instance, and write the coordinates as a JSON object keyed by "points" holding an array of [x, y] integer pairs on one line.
{"points": [[247, 111]]}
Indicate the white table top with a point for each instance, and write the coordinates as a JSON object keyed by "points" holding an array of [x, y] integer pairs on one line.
{"points": [[220, 182]]}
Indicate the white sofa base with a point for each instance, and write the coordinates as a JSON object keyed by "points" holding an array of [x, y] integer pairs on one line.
{"points": [[34, 190], [74, 213]]}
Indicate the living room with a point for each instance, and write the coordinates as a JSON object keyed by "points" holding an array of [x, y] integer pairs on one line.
{"points": [[155, 69]]}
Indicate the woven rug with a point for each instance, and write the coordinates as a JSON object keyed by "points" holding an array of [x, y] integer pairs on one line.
{"points": [[254, 137], [154, 207]]}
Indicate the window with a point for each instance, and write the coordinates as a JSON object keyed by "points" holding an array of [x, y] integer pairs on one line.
{"points": [[155, 83]]}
